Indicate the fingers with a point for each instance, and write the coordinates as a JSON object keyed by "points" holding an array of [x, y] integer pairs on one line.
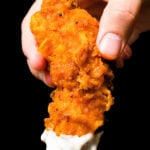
{"points": [[125, 54], [28, 42], [116, 25], [37, 64], [42, 75], [30, 50]]}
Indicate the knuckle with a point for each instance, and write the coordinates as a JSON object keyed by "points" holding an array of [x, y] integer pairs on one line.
{"points": [[124, 14]]}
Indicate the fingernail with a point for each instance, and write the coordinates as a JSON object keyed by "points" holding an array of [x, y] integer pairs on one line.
{"points": [[110, 45], [41, 76], [46, 78]]}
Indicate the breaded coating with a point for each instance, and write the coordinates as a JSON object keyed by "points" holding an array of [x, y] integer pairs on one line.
{"points": [[66, 36]]}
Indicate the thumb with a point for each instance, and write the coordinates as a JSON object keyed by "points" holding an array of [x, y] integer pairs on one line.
{"points": [[116, 25]]}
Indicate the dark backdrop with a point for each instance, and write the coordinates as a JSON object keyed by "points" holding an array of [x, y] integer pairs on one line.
{"points": [[127, 122]]}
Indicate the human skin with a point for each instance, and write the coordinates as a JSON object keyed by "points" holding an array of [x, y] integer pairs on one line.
{"points": [[121, 33]]}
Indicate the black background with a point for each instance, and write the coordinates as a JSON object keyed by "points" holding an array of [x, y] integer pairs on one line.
{"points": [[127, 123]]}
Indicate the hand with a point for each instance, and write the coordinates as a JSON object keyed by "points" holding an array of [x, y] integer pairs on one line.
{"points": [[37, 64], [122, 22]]}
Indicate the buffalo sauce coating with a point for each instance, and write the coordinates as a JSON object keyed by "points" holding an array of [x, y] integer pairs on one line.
{"points": [[66, 36]]}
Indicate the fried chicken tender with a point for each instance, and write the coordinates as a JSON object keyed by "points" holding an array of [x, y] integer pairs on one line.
{"points": [[66, 36]]}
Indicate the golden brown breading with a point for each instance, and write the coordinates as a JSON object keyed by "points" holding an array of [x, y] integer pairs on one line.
{"points": [[66, 36]]}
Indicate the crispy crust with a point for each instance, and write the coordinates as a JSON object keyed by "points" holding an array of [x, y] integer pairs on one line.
{"points": [[66, 36]]}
